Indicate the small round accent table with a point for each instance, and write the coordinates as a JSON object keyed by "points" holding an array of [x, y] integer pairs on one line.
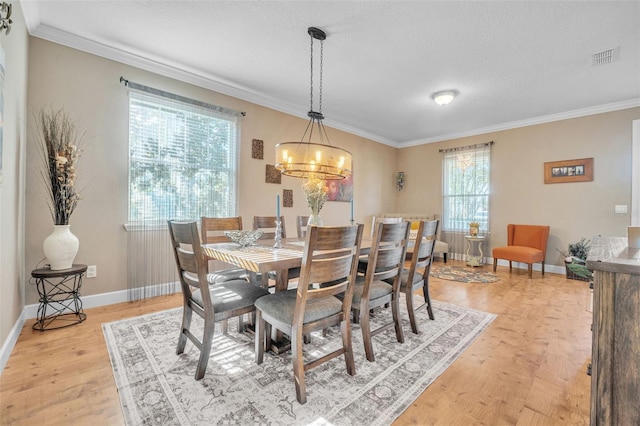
{"points": [[60, 303], [473, 260]]}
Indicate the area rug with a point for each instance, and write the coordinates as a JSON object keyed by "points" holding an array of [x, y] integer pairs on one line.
{"points": [[462, 274], [157, 387]]}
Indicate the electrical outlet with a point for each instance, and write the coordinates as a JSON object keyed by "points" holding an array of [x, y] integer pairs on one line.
{"points": [[620, 209], [92, 271]]}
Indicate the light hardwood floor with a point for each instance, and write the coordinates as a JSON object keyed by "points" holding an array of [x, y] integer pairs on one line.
{"points": [[527, 368]]}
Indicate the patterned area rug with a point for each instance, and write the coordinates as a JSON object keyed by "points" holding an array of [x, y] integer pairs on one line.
{"points": [[156, 386], [462, 274]]}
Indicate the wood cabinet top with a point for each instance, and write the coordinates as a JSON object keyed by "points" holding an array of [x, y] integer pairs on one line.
{"points": [[611, 254]]}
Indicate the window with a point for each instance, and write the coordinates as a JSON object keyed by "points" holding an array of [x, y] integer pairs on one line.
{"points": [[466, 187], [182, 160]]}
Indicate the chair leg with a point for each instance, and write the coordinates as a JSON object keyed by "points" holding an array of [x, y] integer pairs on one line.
{"points": [[444, 255], [530, 268], [207, 339], [186, 323], [495, 264], [259, 337], [356, 315], [412, 312], [298, 364], [427, 299], [365, 326], [224, 326], [345, 330], [543, 267], [240, 323], [510, 266], [395, 309]]}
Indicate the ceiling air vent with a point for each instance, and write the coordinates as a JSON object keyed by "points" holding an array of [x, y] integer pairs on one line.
{"points": [[605, 57]]}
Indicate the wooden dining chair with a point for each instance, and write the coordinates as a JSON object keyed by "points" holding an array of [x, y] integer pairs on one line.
{"points": [[212, 231], [385, 262], [267, 224], [330, 256], [416, 277], [301, 225], [213, 303], [362, 264]]}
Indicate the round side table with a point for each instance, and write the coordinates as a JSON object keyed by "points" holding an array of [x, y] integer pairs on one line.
{"points": [[60, 303], [473, 260]]}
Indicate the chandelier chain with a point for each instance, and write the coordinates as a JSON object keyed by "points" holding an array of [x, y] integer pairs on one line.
{"points": [[311, 82], [321, 65]]}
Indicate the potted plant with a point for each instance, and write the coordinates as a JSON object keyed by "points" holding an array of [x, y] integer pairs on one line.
{"points": [[576, 260], [60, 143]]}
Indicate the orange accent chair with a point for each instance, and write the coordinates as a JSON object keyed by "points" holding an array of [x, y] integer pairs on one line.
{"points": [[526, 244]]}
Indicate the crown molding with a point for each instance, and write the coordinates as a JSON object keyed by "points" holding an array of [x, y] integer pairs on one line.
{"points": [[179, 72], [614, 106], [214, 83]]}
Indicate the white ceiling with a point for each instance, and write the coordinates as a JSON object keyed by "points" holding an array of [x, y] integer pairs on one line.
{"points": [[513, 63]]}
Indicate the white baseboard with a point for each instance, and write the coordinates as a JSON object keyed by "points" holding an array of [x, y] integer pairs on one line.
{"points": [[10, 341], [536, 266], [31, 311]]}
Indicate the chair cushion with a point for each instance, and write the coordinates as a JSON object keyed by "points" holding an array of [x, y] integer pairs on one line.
{"points": [[226, 275], [231, 295], [518, 254], [280, 305], [378, 289], [417, 278]]}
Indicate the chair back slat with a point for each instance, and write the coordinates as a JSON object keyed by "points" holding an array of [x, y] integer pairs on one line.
{"points": [[213, 228], [268, 225]]}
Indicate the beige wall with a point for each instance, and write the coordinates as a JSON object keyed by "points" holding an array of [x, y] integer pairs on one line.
{"points": [[88, 88], [518, 192], [12, 187]]}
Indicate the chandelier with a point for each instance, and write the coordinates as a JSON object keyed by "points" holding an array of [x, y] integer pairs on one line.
{"points": [[307, 158]]}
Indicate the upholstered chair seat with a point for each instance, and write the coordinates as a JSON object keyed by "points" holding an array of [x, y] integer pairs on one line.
{"points": [[525, 244]]}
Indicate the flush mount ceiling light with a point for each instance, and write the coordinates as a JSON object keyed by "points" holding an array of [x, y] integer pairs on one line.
{"points": [[315, 158], [445, 97]]}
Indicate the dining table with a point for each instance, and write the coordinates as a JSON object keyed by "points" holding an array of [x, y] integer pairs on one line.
{"points": [[262, 258]]}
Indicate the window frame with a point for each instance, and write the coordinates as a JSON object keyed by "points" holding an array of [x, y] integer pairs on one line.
{"points": [[173, 108]]}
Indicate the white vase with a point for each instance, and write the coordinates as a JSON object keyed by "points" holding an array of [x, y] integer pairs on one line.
{"points": [[315, 219], [61, 247]]}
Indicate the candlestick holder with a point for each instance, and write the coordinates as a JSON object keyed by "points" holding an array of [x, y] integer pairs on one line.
{"points": [[278, 237]]}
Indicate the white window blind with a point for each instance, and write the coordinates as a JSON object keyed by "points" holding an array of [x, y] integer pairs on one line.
{"points": [[183, 161], [466, 187]]}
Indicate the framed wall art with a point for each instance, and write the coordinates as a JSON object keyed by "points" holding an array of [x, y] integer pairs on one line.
{"points": [[272, 175], [340, 190], [287, 198], [257, 149], [580, 170]]}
